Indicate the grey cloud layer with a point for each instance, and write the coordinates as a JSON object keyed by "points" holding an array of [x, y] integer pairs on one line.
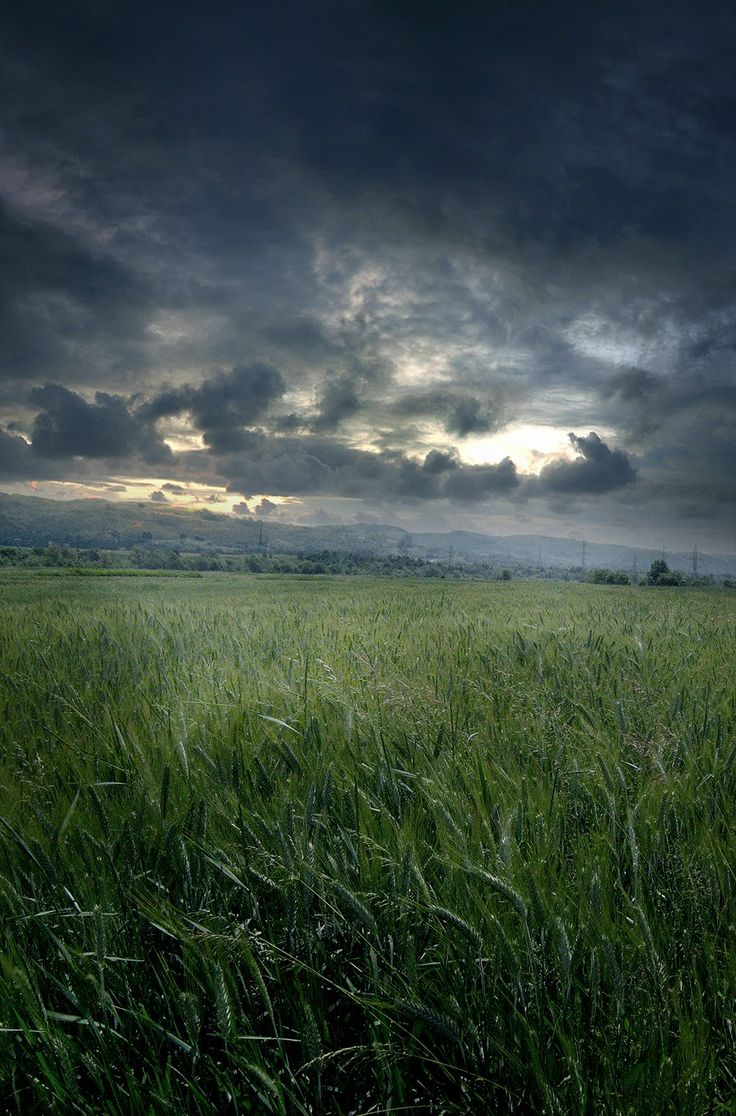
{"points": [[226, 408], [420, 229]]}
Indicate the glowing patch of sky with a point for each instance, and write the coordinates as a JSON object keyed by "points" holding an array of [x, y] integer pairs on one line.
{"points": [[528, 446]]}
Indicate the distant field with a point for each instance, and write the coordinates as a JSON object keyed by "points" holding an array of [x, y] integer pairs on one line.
{"points": [[283, 845]]}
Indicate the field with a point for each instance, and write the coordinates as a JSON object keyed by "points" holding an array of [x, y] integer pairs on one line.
{"points": [[330, 846]]}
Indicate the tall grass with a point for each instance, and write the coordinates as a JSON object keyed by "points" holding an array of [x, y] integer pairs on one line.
{"points": [[273, 846]]}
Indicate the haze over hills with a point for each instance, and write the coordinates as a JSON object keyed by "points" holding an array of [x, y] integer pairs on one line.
{"points": [[34, 521]]}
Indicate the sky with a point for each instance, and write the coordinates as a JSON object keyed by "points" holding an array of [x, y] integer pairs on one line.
{"points": [[453, 265]]}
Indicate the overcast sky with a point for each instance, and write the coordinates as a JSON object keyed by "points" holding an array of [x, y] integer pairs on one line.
{"points": [[441, 265]]}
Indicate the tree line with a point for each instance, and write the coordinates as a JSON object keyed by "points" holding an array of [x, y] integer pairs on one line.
{"points": [[325, 562]]}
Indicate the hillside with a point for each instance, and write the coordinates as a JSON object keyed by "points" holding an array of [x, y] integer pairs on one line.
{"points": [[33, 521]]}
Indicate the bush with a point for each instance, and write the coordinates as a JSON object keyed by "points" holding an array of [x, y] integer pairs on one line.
{"points": [[610, 577]]}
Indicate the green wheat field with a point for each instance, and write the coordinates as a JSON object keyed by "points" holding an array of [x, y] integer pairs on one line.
{"points": [[359, 846]]}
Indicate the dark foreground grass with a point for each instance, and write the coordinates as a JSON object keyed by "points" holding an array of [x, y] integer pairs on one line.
{"points": [[275, 846]]}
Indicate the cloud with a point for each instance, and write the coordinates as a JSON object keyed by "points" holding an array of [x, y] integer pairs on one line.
{"points": [[306, 466], [481, 482], [66, 308], [459, 414], [16, 456], [302, 336], [68, 426], [241, 508], [192, 494], [632, 385], [19, 462], [338, 400], [158, 497], [266, 507], [469, 416], [222, 404], [596, 470], [441, 461]]}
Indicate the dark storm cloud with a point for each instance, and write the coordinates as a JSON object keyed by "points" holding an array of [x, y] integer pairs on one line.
{"points": [[475, 109], [68, 426], [683, 428], [441, 461], [480, 482], [221, 405], [19, 462], [459, 414], [597, 469], [310, 465], [16, 456], [64, 305], [469, 417], [355, 381], [338, 400], [158, 497], [304, 337], [632, 385], [561, 120]]}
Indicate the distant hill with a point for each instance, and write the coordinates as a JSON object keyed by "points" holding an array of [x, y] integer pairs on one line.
{"points": [[33, 521], [550, 551]]}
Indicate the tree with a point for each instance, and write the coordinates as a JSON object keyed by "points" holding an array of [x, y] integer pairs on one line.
{"points": [[657, 571], [661, 574]]}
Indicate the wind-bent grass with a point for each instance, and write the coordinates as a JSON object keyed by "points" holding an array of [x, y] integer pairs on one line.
{"points": [[283, 846]]}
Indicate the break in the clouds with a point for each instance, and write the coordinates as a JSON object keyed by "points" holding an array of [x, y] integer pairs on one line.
{"points": [[462, 265]]}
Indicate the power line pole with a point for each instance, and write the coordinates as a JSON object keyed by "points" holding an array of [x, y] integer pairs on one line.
{"points": [[635, 569]]}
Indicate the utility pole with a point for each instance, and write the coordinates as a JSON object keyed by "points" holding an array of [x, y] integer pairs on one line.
{"points": [[635, 570]]}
